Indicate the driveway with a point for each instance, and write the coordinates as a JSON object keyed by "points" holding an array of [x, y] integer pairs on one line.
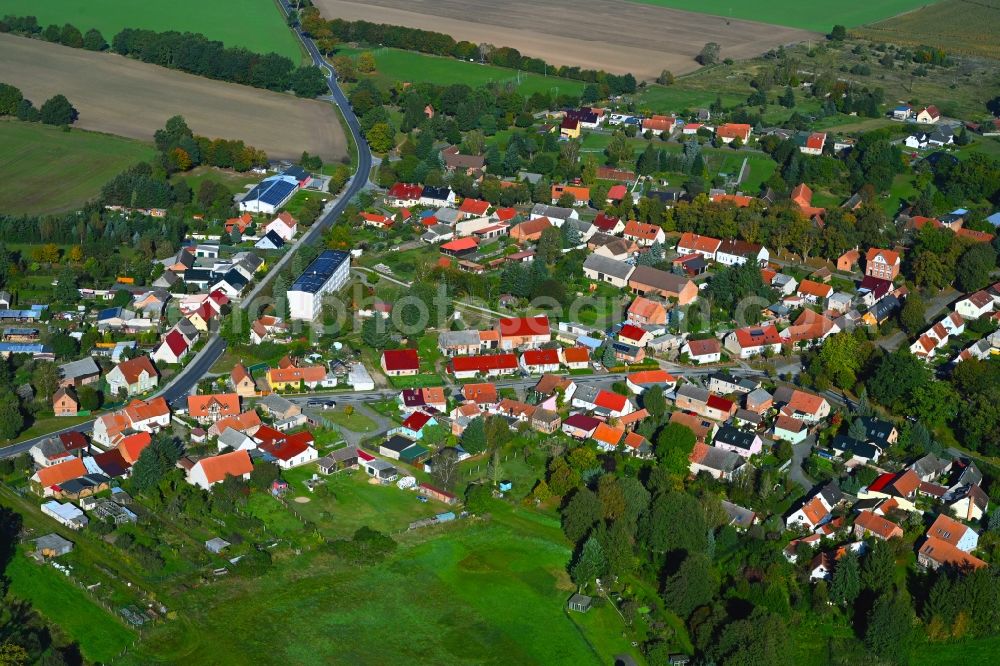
{"points": [[800, 452]]}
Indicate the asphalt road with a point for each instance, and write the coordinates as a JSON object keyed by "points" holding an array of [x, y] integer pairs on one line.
{"points": [[185, 381]]}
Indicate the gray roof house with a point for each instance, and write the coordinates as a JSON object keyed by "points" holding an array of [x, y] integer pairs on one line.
{"points": [[605, 269]]}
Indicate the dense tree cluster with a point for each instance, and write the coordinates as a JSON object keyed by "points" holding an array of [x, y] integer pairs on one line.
{"points": [[180, 150], [328, 33], [57, 110]]}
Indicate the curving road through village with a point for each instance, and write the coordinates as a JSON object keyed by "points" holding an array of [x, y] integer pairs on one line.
{"points": [[187, 379]]}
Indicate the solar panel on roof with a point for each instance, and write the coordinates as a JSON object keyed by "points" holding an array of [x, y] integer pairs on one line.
{"points": [[320, 270]]}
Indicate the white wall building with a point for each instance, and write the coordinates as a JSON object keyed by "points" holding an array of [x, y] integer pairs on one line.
{"points": [[327, 273]]}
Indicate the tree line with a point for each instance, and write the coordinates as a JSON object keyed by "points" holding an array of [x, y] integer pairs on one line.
{"points": [[57, 110], [188, 52], [329, 33]]}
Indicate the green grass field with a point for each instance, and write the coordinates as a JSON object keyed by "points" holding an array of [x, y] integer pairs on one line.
{"points": [[806, 15], [483, 592], [47, 170], [397, 65], [100, 637], [255, 24]]}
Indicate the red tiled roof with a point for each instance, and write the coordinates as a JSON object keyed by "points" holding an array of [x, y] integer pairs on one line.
{"points": [[228, 404], [405, 191], [605, 222], [133, 367], [878, 525], [690, 241], [817, 289], [480, 393], [757, 336], [461, 244], [61, 472], [880, 484], [541, 357], [720, 403], [396, 360], [943, 552], [644, 377], [474, 206], [524, 326], [947, 529], [416, 421], [576, 354], [288, 446], [484, 363], [805, 403], [631, 332], [734, 130], [608, 400], [704, 347], [889, 257], [582, 422], [641, 230], [816, 140], [132, 446], [608, 435]]}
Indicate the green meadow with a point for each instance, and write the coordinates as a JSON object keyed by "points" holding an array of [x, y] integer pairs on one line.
{"points": [[817, 16], [46, 169], [255, 24], [395, 65]]}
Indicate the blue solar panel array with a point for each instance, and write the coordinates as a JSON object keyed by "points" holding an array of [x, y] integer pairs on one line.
{"points": [[320, 270], [271, 191], [22, 348]]}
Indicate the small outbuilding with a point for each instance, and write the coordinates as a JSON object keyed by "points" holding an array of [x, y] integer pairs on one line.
{"points": [[216, 545], [580, 603], [52, 545]]}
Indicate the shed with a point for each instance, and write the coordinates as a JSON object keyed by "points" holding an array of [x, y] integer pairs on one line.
{"points": [[580, 603], [52, 545], [216, 545]]}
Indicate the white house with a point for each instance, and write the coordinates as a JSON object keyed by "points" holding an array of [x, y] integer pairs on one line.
{"points": [[975, 305], [732, 252], [284, 225]]}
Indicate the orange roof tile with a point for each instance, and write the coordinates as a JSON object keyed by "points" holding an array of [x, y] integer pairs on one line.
{"points": [[314, 373], [226, 404], [235, 463], [608, 435], [61, 472]]}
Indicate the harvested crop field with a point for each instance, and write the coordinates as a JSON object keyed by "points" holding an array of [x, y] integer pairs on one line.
{"points": [[616, 36], [968, 27], [133, 99]]}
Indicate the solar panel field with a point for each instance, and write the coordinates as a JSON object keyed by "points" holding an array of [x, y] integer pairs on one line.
{"points": [[254, 24], [133, 99]]}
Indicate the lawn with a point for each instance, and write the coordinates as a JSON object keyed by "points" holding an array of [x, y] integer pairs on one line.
{"points": [[398, 65], [234, 181], [679, 98], [416, 381], [255, 24], [355, 422], [474, 592], [100, 635], [47, 170], [348, 502], [808, 16]]}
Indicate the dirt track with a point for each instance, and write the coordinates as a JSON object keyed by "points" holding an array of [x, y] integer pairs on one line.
{"points": [[614, 35], [130, 98]]}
